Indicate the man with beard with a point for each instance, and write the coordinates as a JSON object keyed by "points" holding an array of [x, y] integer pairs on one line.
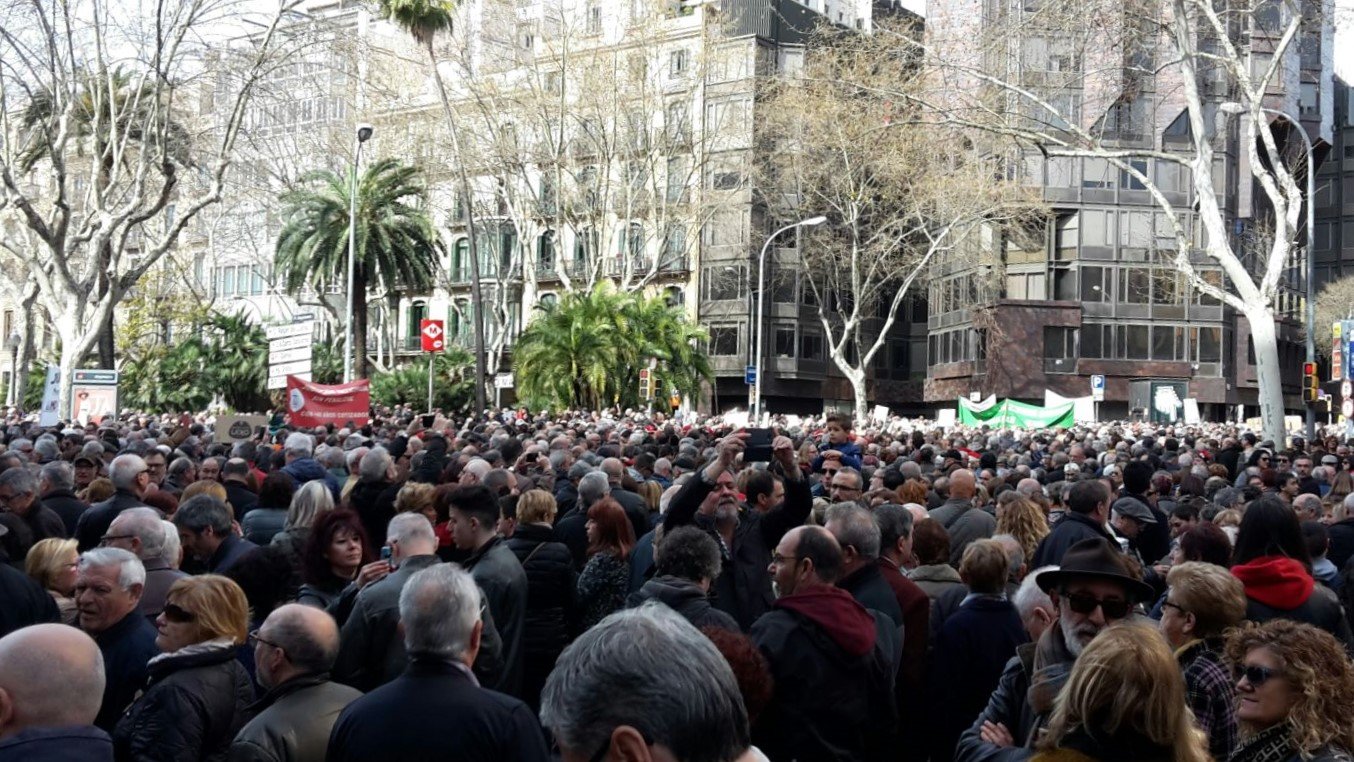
{"points": [[1092, 590], [743, 588]]}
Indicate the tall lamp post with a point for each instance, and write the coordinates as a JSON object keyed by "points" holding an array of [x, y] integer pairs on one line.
{"points": [[761, 304], [1310, 202], [364, 132], [13, 343]]}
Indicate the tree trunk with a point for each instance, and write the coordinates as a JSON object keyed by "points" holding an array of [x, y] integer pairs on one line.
{"points": [[857, 379], [107, 347], [75, 346], [1268, 372]]}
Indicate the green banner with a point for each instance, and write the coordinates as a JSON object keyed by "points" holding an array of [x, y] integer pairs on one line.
{"points": [[1008, 414]]}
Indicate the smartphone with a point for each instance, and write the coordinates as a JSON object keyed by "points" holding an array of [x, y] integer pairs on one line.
{"points": [[428, 420], [385, 556], [758, 446]]}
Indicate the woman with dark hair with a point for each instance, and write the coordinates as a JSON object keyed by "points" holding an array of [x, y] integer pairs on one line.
{"points": [[1190, 486], [270, 515], [1206, 542], [1272, 563], [335, 552], [605, 581]]}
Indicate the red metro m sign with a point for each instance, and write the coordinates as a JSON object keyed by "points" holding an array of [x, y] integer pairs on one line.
{"points": [[434, 338]]}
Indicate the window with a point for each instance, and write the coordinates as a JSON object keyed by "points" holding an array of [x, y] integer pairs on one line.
{"points": [[1091, 345], [674, 245], [725, 283], [678, 123], [678, 61], [553, 82], [674, 296], [1135, 286], [1065, 284], [1213, 278], [785, 342], [1097, 174], [677, 179], [811, 346], [1060, 342], [545, 252], [594, 19], [1093, 285], [1164, 342], [1067, 235], [783, 286], [1207, 344], [1134, 341], [1096, 228], [724, 340], [1129, 182]]}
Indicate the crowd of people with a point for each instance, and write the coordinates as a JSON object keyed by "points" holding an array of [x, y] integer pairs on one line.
{"points": [[621, 586]]}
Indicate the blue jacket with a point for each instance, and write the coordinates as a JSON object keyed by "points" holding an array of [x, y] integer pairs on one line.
{"points": [[126, 647], [304, 470], [850, 455]]}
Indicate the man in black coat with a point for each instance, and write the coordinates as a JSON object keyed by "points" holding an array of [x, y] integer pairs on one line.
{"points": [[22, 601], [56, 485], [50, 684], [682, 576], [856, 531], [1088, 508], [205, 530], [130, 479], [635, 508], [19, 497], [108, 591], [436, 704], [235, 479], [373, 497], [743, 588]]}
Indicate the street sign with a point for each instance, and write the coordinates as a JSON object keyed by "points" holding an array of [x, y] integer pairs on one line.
{"points": [[280, 382], [290, 342], [276, 357], [503, 381], [291, 329], [1346, 389], [750, 375], [433, 337], [1097, 388]]}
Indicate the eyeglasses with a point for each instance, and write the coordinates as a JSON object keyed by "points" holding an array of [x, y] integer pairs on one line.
{"points": [[778, 559], [178, 614], [255, 639], [109, 538], [1175, 606], [1085, 603], [1256, 675]]}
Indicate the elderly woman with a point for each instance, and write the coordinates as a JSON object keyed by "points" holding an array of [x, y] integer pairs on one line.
{"points": [[1293, 690], [333, 563], [197, 694], [54, 563], [309, 503], [551, 582], [1204, 600], [1124, 700]]}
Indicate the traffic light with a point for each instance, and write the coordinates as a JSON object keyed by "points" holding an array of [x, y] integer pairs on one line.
{"points": [[646, 384], [1310, 383]]}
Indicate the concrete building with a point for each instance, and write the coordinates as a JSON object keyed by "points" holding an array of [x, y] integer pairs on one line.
{"points": [[1335, 195]]}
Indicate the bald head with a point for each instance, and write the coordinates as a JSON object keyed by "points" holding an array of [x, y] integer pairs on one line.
{"points": [[51, 675], [612, 467], [1029, 487], [962, 484], [1308, 507], [307, 639]]}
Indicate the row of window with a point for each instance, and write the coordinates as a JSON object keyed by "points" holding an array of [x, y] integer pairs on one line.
{"points": [[239, 280], [786, 341], [1154, 286], [1134, 341]]}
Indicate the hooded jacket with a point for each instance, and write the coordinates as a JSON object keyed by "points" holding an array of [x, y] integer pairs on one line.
{"points": [[303, 470], [686, 598], [1281, 587], [834, 679]]}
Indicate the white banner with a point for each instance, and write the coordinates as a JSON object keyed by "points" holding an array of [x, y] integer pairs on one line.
{"points": [[1083, 408], [50, 414]]}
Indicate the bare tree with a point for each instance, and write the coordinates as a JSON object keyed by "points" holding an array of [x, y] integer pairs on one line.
{"points": [[1150, 91], [108, 152]]}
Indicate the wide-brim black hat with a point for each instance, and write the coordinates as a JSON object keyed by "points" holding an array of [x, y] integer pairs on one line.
{"points": [[1095, 558]]}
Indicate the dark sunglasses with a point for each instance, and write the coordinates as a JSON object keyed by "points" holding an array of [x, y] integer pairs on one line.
{"points": [[1085, 603], [177, 614], [1256, 675]]}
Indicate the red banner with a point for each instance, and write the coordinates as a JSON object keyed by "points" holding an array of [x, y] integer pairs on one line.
{"points": [[311, 404]]}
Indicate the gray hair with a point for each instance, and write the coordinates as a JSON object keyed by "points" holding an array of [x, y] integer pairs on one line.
{"points": [[593, 487], [130, 569], [204, 511], [47, 447], [895, 523], [410, 527], [169, 555], [179, 467], [59, 475], [439, 607], [332, 457], [1015, 554], [146, 524], [298, 445], [353, 456], [1029, 597], [309, 503], [688, 700], [687, 552], [124, 469], [20, 480], [855, 527], [375, 464]]}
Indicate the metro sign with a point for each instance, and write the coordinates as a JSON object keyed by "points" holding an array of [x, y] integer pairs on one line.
{"points": [[434, 338]]}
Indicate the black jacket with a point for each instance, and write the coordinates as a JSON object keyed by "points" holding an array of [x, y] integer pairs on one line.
{"points": [[551, 582], [500, 576], [1341, 542], [242, 499], [434, 711], [94, 523], [867, 585], [127, 648], [686, 598], [1071, 529], [23, 601], [1008, 706], [374, 503], [193, 706], [293, 721], [572, 530], [971, 652], [261, 525], [66, 505], [86, 744], [743, 589], [635, 509]]}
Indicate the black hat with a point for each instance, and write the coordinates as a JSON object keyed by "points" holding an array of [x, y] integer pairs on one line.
{"points": [[85, 458], [1095, 558], [953, 455]]}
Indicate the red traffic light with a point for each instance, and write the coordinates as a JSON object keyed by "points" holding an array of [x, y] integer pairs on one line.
{"points": [[1309, 369]]}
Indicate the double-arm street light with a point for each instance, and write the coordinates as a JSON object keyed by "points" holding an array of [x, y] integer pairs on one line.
{"points": [[757, 412], [364, 132], [1295, 125]]}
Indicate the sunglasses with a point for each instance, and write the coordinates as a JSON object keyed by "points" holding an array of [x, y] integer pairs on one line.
{"points": [[1085, 603], [177, 614], [1256, 675]]}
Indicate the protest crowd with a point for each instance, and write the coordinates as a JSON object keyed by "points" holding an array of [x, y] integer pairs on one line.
{"points": [[626, 586]]}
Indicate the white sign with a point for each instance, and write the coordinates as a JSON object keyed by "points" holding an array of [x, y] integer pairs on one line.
{"points": [[1191, 411], [290, 342], [1347, 389], [945, 417], [51, 398], [881, 413], [291, 329], [280, 382], [1098, 388], [503, 381], [975, 396], [278, 357], [1347, 408]]}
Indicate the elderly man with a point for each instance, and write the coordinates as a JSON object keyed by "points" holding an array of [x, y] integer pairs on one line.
{"points": [[1090, 591], [1308, 507], [141, 531], [205, 531], [56, 485], [858, 535], [131, 481], [373, 497], [436, 705], [964, 521], [51, 678], [571, 529], [895, 548], [635, 508], [235, 480], [847, 485], [689, 563], [1035, 608], [29, 520], [293, 651], [107, 589], [297, 451], [709, 501], [609, 696]]}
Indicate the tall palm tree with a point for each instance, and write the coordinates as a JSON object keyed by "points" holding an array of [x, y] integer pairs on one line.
{"points": [[423, 19], [238, 371], [397, 245], [663, 333]]}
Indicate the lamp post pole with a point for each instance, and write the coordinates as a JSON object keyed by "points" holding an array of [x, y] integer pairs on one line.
{"points": [[761, 304], [364, 132]]}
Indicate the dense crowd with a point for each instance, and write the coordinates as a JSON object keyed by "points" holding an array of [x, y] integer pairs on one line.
{"points": [[622, 586]]}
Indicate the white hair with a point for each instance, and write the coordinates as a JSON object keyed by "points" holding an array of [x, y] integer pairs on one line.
{"points": [[439, 607], [171, 551], [1029, 597], [130, 569], [299, 445]]}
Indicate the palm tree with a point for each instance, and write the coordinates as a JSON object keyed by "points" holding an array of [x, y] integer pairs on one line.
{"points": [[237, 370], [397, 245], [423, 19], [663, 333]]}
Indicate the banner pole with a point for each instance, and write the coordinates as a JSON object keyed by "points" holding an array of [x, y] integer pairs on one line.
{"points": [[430, 382]]}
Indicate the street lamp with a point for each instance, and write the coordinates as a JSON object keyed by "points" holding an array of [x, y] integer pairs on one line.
{"points": [[364, 132], [13, 343], [761, 302], [1235, 108]]}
